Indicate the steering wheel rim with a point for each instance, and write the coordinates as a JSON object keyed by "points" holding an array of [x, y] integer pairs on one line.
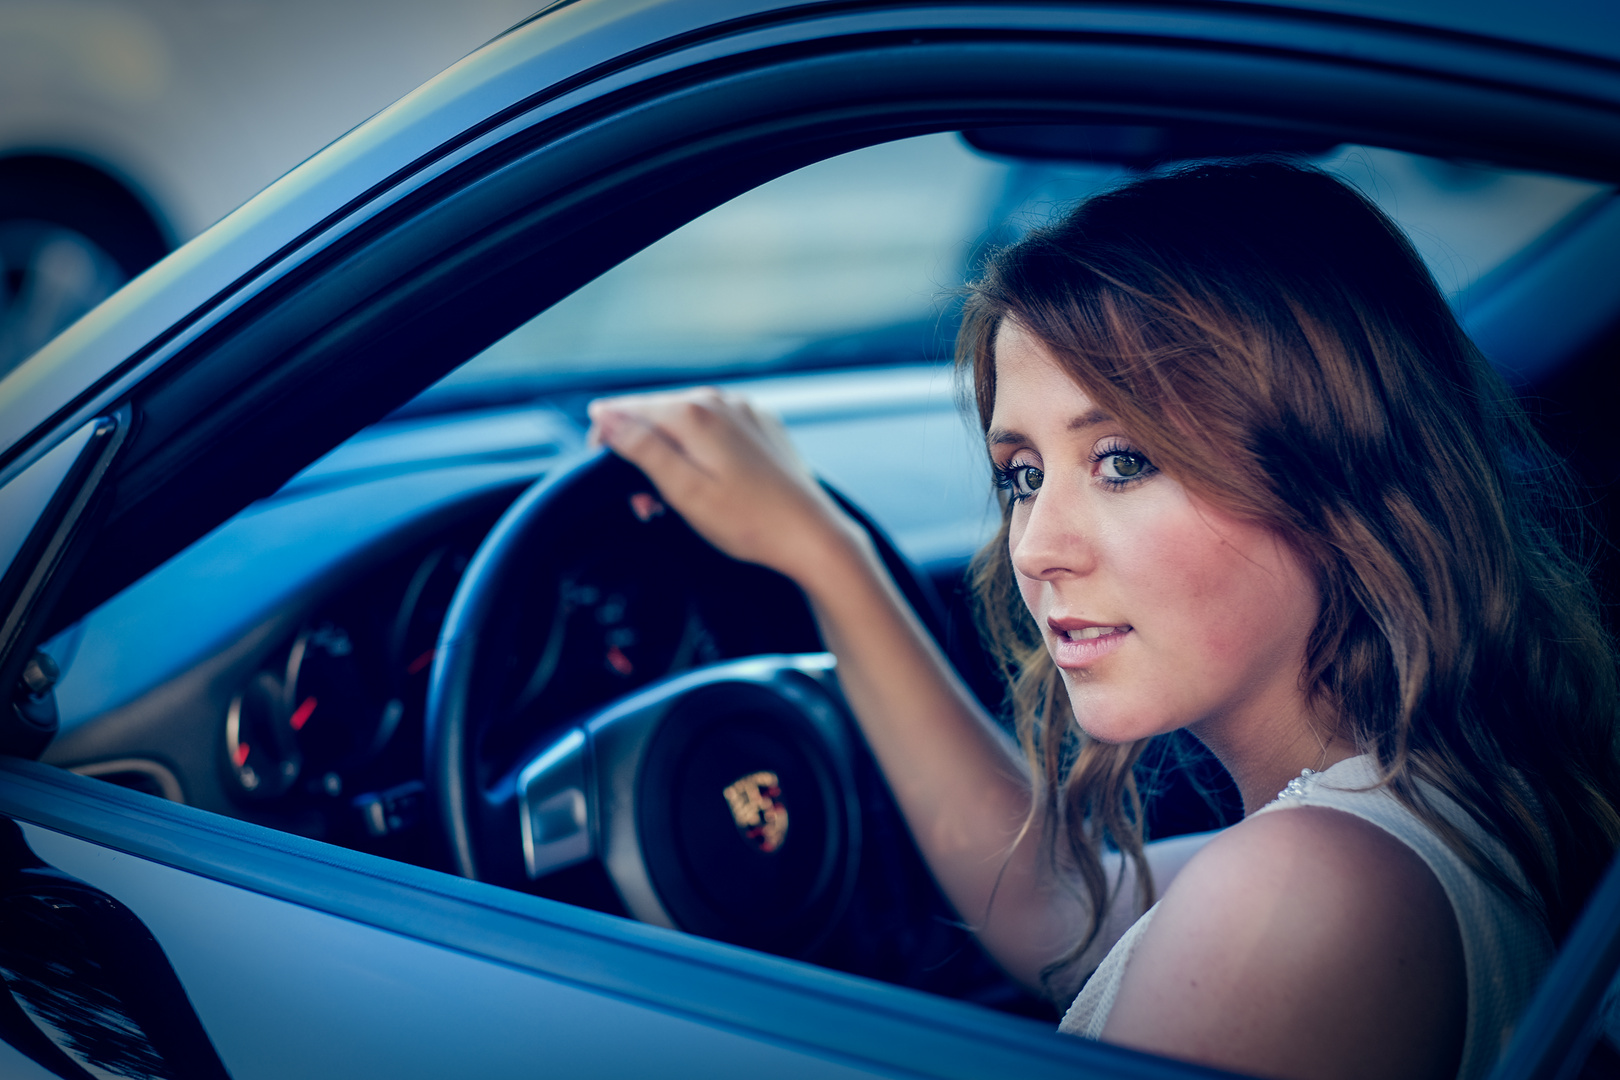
{"points": [[483, 827]]}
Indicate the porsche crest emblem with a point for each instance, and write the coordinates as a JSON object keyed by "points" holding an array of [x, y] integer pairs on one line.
{"points": [[757, 808]]}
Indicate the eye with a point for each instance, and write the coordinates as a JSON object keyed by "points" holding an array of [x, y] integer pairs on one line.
{"points": [[1119, 466], [1022, 480]]}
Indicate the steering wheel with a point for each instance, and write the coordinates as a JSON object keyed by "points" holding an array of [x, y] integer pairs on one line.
{"points": [[710, 766]]}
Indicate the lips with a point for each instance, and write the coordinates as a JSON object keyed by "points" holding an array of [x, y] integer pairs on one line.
{"points": [[1077, 643]]}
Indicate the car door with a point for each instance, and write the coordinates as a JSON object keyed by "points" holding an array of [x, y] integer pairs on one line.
{"points": [[298, 959], [367, 274]]}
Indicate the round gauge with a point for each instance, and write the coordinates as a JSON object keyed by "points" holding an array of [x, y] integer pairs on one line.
{"points": [[415, 634], [262, 751], [338, 711], [607, 637]]}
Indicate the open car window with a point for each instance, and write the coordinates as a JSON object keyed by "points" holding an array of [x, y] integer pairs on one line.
{"points": [[303, 661], [278, 671], [854, 259]]}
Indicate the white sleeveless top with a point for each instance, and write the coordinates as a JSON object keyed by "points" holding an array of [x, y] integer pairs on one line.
{"points": [[1505, 949]]}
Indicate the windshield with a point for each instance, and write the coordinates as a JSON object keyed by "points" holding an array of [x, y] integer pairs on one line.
{"points": [[857, 260]]}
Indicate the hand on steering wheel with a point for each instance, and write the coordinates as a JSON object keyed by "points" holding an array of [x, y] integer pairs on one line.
{"points": [[731, 472], [633, 771]]}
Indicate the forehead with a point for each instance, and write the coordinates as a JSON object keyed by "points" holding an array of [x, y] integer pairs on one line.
{"points": [[1033, 386]]}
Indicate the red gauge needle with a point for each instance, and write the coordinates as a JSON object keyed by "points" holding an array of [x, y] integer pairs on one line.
{"points": [[241, 754], [301, 715], [420, 662]]}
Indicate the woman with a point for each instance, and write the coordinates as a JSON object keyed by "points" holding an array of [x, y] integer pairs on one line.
{"points": [[1256, 484]]}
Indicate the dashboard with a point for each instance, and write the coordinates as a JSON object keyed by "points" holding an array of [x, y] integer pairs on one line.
{"points": [[277, 671], [325, 737]]}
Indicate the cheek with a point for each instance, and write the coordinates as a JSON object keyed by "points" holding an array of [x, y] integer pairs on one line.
{"points": [[1217, 588]]}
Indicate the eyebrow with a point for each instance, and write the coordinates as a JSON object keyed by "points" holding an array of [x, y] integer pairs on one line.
{"points": [[1003, 436]]}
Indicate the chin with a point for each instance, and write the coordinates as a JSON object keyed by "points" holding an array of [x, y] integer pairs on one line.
{"points": [[1102, 716]]}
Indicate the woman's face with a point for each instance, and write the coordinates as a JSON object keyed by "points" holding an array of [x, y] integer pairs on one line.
{"points": [[1160, 610]]}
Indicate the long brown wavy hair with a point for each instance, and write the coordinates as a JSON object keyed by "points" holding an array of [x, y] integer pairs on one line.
{"points": [[1271, 340]]}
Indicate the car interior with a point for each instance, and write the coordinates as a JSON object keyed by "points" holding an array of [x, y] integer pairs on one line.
{"points": [[462, 639]]}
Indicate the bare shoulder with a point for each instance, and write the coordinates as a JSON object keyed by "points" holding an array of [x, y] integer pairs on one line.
{"points": [[1303, 943]]}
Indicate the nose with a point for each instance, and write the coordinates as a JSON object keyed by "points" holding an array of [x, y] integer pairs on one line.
{"points": [[1052, 540]]}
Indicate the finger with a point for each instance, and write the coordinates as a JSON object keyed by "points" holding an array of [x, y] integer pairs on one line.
{"points": [[657, 400], [601, 407], [767, 421], [651, 449], [618, 410], [706, 430], [677, 412], [720, 432]]}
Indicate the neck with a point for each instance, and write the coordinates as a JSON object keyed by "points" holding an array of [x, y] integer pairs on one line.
{"points": [[1263, 758]]}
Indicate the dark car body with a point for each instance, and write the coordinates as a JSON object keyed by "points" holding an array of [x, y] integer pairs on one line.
{"points": [[139, 449]]}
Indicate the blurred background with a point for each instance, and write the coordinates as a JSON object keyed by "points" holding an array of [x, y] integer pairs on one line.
{"points": [[129, 126]]}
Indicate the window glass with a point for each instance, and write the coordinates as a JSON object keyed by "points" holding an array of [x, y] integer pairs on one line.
{"points": [[1467, 221], [864, 241], [856, 259]]}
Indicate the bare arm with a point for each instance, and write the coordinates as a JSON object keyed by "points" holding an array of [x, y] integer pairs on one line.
{"points": [[963, 787], [1301, 943]]}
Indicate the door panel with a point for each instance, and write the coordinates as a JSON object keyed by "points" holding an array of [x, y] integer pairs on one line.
{"points": [[284, 990], [322, 961]]}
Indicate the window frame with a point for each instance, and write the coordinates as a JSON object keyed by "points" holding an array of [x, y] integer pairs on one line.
{"points": [[360, 326]]}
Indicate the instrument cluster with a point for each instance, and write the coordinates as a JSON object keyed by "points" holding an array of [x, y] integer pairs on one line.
{"points": [[325, 738]]}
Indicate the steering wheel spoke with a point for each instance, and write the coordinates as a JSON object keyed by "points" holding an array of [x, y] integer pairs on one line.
{"points": [[719, 800]]}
